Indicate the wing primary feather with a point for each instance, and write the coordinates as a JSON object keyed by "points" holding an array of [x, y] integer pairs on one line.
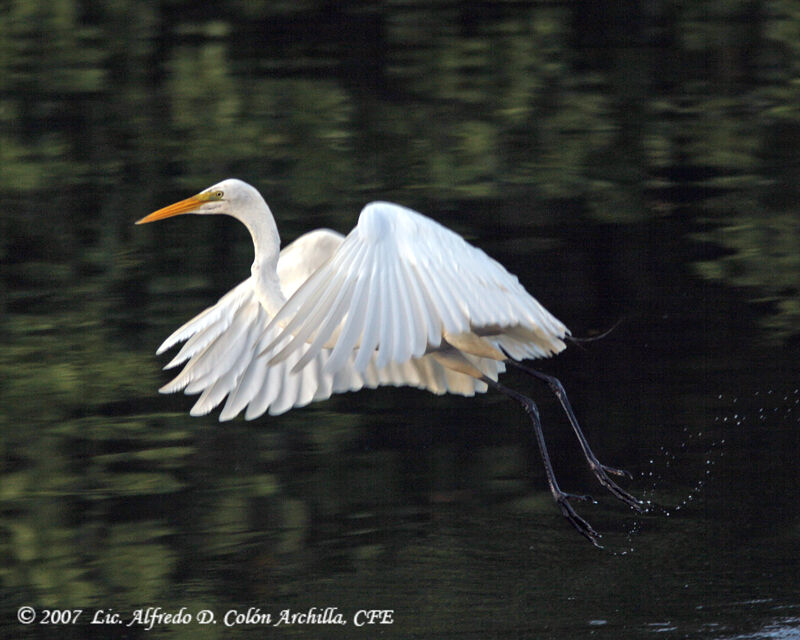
{"points": [[324, 380], [336, 311], [331, 321], [457, 282], [445, 306], [400, 320], [372, 319], [188, 329], [356, 317], [188, 374], [385, 336], [419, 312], [300, 305], [287, 389], [326, 314], [317, 300], [404, 320], [276, 377], [224, 356], [433, 318], [195, 344], [249, 378], [416, 328], [299, 297]]}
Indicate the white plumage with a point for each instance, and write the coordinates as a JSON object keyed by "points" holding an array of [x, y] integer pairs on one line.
{"points": [[401, 300]]}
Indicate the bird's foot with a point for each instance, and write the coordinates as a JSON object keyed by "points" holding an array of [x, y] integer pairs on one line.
{"points": [[583, 527], [601, 472]]}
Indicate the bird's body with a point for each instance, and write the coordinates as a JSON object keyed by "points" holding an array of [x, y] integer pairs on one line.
{"points": [[223, 347], [401, 300]]}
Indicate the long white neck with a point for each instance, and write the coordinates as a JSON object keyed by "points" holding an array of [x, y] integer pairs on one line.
{"points": [[258, 219]]}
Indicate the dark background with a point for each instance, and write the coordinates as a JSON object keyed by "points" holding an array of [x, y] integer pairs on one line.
{"points": [[634, 163]]}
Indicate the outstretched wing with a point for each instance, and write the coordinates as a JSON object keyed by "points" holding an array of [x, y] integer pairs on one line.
{"points": [[399, 284], [223, 342]]}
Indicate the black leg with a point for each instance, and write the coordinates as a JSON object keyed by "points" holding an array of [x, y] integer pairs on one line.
{"points": [[600, 470], [562, 498]]}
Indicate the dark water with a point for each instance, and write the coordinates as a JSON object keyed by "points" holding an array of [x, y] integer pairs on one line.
{"points": [[635, 163]]}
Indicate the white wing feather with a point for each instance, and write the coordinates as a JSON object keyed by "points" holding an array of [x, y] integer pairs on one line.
{"points": [[223, 344], [396, 287]]}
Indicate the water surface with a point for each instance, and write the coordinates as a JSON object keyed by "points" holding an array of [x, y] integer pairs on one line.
{"points": [[637, 170]]}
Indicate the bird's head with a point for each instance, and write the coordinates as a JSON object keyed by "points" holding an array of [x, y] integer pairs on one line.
{"points": [[226, 197]]}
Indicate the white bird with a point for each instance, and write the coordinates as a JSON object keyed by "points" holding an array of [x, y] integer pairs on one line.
{"points": [[401, 301]]}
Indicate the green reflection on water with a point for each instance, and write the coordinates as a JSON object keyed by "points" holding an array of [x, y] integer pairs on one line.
{"points": [[524, 122]]}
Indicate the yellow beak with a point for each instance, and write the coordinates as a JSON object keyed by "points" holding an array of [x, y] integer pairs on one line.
{"points": [[184, 206]]}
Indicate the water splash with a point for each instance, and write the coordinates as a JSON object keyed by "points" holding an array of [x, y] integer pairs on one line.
{"points": [[702, 449]]}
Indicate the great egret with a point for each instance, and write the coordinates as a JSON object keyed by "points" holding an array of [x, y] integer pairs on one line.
{"points": [[401, 300]]}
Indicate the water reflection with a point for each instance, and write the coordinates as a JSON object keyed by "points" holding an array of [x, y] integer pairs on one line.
{"points": [[639, 169]]}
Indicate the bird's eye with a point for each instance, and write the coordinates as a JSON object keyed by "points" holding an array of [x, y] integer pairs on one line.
{"points": [[218, 195]]}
